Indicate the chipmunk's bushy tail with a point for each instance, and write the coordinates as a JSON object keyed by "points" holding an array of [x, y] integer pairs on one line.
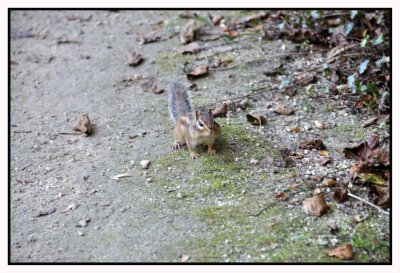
{"points": [[179, 102]]}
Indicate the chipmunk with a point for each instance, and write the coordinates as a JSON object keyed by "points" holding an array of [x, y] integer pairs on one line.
{"points": [[191, 127]]}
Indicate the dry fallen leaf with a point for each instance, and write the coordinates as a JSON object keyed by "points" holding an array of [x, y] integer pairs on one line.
{"points": [[305, 78], [332, 225], [315, 206], [344, 251], [146, 38], [220, 110], [283, 110], [281, 196], [184, 258], [365, 151], [256, 119], [373, 120], [189, 48], [318, 124], [83, 124], [358, 218], [312, 144], [329, 182], [231, 33], [323, 153], [121, 175], [381, 196], [340, 195], [188, 14], [46, 211], [157, 90], [187, 33], [197, 72], [70, 207], [293, 129], [135, 58], [83, 222], [145, 163], [323, 160]]}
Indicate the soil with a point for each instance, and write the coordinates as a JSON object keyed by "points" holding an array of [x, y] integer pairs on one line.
{"points": [[66, 204]]}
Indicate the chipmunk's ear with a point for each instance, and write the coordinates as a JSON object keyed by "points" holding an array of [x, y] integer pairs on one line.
{"points": [[197, 114], [210, 111]]}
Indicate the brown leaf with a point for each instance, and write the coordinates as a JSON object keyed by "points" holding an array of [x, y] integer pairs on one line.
{"points": [[83, 222], [370, 121], [323, 160], [231, 33], [157, 90], [332, 225], [46, 211], [281, 196], [187, 33], [318, 124], [260, 16], [339, 50], [184, 258], [293, 129], [344, 251], [216, 19], [72, 140], [189, 48], [305, 78], [83, 124], [381, 196], [340, 194], [312, 144], [188, 14], [283, 110], [70, 207], [256, 119], [364, 151], [135, 58], [147, 38], [315, 206], [220, 110], [329, 182], [356, 169], [358, 218], [198, 72]]}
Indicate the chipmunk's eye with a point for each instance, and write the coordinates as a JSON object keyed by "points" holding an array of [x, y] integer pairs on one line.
{"points": [[201, 124]]}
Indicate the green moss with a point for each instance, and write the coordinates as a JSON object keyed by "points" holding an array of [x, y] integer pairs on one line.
{"points": [[171, 62]]}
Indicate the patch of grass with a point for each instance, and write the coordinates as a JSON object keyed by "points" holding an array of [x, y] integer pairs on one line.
{"points": [[355, 131]]}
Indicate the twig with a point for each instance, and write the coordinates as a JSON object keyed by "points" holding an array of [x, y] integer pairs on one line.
{"points": [[262, 209], [262, 59], [22, 132], [66, 133], [366, 202]]}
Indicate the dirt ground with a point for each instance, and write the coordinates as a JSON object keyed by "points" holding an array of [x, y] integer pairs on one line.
{"points": [[65, 205]]}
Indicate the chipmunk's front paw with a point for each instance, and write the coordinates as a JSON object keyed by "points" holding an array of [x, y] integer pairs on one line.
{"points": [[194, 156], [175, 145], [212, 151]]}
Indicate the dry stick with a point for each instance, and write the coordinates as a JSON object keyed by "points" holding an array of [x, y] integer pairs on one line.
{"points": [[262, 59], [366, 202]]}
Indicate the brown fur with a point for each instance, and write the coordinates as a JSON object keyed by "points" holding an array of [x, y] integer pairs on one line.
{"points": [[188, 130]]}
